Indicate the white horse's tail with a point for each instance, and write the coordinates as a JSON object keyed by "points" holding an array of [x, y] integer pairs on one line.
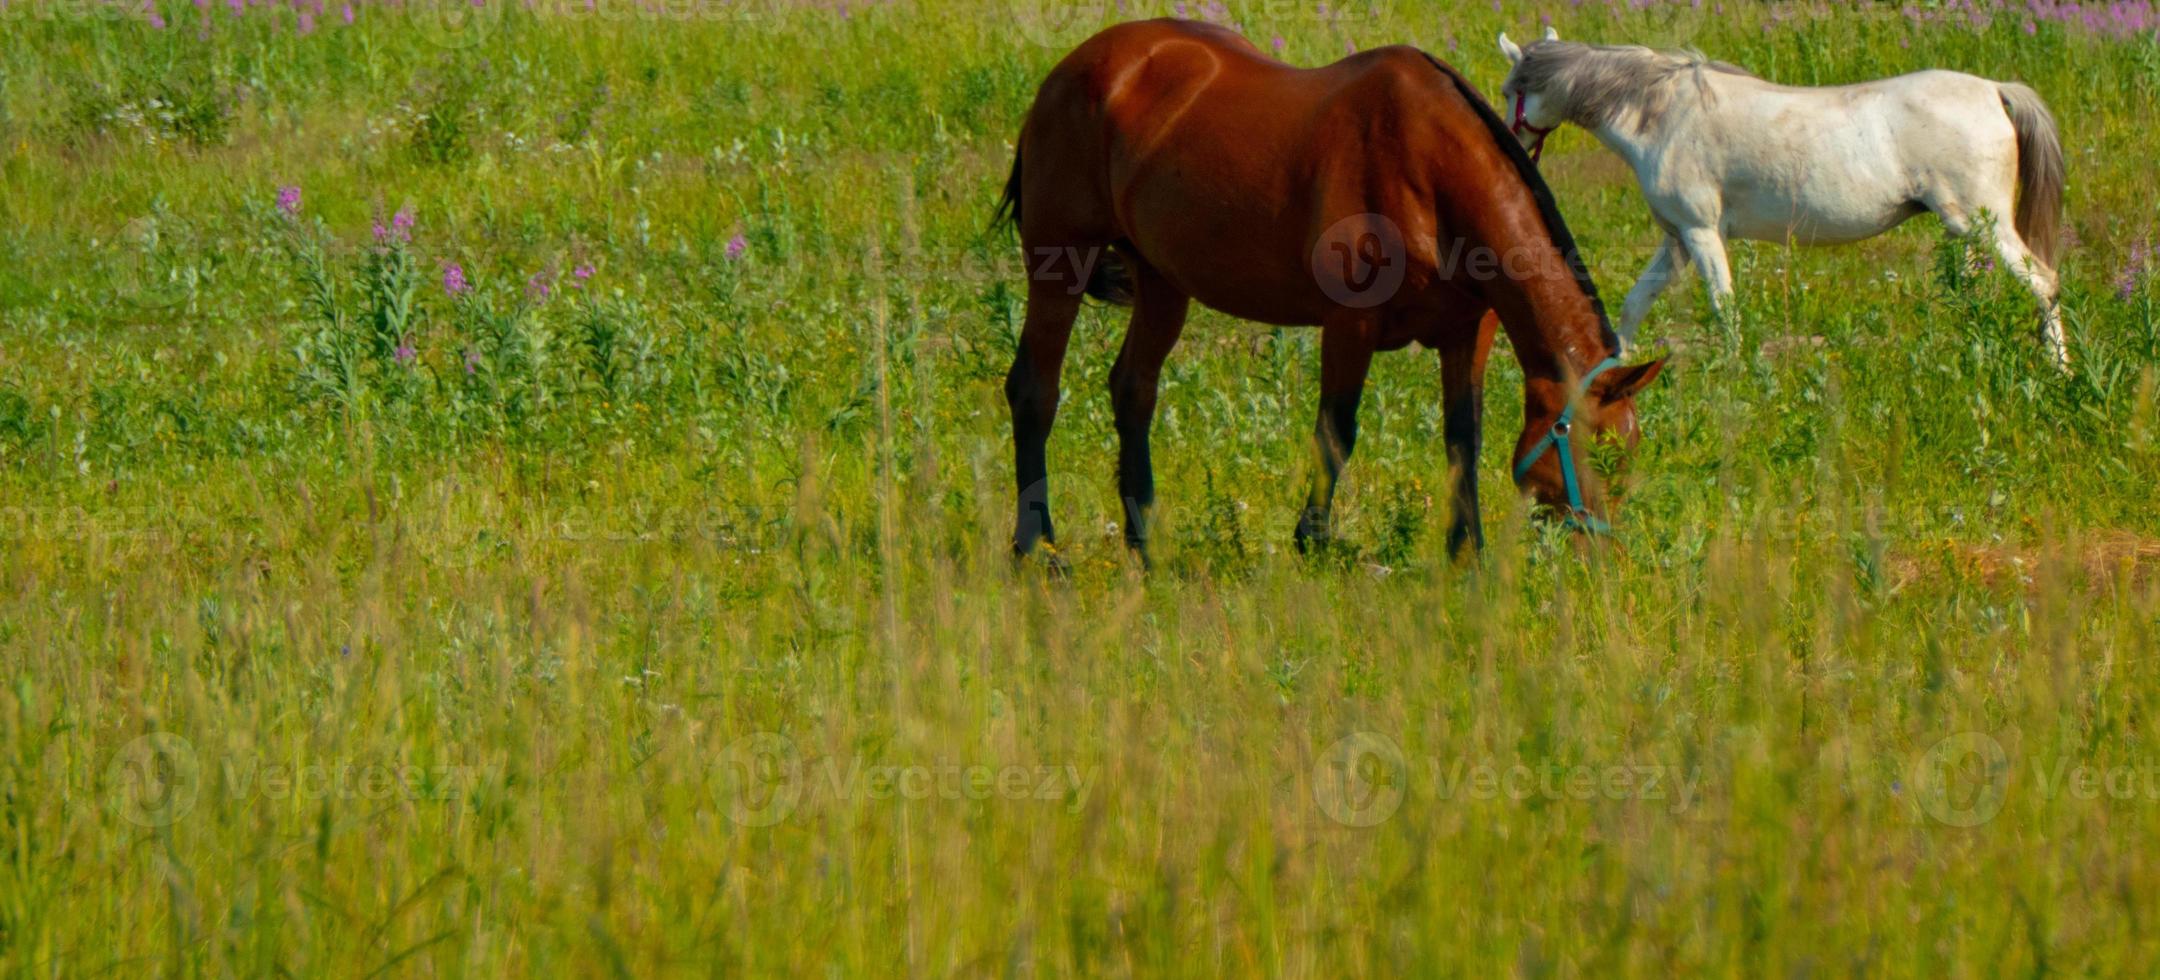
{"points": [[2040, 172]]}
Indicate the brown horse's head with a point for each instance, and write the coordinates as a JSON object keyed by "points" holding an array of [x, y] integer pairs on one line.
{"points": [[1563, 437]]}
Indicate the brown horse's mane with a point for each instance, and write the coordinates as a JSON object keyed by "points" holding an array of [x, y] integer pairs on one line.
{"points": [[1555, 226]]}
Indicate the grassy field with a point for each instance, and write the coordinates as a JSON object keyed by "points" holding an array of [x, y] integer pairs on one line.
{"points": [[525, 491]]}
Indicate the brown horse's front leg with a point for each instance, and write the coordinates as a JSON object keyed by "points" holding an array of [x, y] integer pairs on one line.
{"points": [[1462, 381], [1031, 391], [1346, 352]]}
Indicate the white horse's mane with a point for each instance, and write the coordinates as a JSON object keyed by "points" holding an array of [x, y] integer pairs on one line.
{"points": [[1588, 83]]}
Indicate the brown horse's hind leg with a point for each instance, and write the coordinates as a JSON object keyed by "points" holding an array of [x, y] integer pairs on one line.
{"points": [[1158, 318], [1347, 342], [1031, 390], [1462, 380]]}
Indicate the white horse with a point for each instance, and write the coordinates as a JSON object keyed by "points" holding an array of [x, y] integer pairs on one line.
{"points": [[1722, 154]]}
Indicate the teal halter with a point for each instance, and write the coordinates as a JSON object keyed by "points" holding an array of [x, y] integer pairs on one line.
{"points": [[1579, 516]]}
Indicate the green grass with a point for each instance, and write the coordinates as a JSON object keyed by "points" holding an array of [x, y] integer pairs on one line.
{"points": [[677, 635]]}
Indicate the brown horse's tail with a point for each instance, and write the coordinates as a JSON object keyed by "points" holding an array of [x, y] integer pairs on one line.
{"points": [[2040, 172], [1109, 278], [1009, 205]]}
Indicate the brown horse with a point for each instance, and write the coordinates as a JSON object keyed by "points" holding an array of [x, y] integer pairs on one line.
{"points": [[1379, 198]]}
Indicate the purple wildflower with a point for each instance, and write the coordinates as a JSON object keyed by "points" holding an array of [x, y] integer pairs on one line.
{"points": [[2135, 271], [539, 288], [398, 232], [1280, 44], [347, 13], [472, 361], [405, 351], [736, 246], [288, 201], [580, 275], [453, 279]]}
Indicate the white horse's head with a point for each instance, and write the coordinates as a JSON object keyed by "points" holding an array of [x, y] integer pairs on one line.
{"points": [[1531, 114]]}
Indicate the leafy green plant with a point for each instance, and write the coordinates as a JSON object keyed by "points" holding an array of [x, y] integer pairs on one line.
{"points": [[509, 352], [329, 352], [442, 133], [17, 420]]}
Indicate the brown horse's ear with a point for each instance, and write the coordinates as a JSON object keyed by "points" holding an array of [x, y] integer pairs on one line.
{"points": [[1621, 383]]}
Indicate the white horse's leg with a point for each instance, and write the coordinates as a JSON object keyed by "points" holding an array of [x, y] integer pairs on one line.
{"points": [[2041, 280], [1707, 248], [2021, 263], [1662, 270]]}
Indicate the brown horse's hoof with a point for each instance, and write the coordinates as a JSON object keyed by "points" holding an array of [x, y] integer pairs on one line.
{"points": [[1465, 544], [1315, 534], [1046, 553], [1321, 547]]}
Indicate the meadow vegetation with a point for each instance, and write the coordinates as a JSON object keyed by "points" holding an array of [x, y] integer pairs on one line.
{"points": [[496, 490]]}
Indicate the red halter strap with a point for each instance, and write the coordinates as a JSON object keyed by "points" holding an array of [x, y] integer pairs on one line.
{"points": [[1537, 149]]}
